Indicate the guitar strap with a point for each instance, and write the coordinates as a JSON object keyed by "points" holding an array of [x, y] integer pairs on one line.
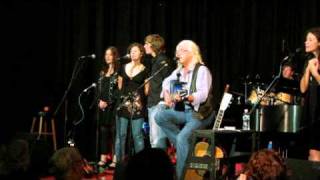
{"points": [[206, 108]]}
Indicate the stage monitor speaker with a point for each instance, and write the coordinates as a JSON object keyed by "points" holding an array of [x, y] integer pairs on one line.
{"points": [[303, 169]]}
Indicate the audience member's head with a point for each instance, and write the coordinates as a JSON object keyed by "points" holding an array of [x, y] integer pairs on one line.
{"points": [[67, 163], [266, 164], [15, 159], [150, 163]]}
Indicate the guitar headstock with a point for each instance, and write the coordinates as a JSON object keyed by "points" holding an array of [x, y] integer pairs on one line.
{"points": [[226, 99]]}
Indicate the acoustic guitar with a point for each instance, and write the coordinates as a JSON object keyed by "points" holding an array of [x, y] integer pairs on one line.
{"points": [[201, 148]]}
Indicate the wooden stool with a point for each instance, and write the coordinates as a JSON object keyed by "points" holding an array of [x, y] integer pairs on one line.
{"points": [[196, 165], [206, 156], [43, 129]]}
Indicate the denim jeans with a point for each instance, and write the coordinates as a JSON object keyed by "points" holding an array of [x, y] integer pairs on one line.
{"points": [[170, 121], [157, 136], [121, 135]]}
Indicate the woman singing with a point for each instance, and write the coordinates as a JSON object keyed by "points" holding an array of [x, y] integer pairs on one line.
{"points": [[132, 109], [107, 98], [310, 84]]}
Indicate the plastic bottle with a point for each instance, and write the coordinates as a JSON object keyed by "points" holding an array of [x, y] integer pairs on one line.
{"points": [[270, 145], [246, 120], [146, 128]]}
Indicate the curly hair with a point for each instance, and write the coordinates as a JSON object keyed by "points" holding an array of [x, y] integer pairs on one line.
{"points": [[266, 165], [135, 44]]}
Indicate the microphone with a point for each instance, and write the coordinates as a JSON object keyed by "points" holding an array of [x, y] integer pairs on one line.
{"points": [[91, 56], [178, 71], [91, 86], [289, 57], [127, 56], [176, 58]]}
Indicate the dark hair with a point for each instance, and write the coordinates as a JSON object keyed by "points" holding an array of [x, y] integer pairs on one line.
{"points": [[157, 43], [114, 51], [66, 163], [115, 54], [140, 46], [18, 155], [266, 164], [290, 64], [315, 31]]}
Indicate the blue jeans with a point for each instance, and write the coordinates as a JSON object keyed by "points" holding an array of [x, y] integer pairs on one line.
{"points": [[170, 121], [121, 135], [157, 136]]}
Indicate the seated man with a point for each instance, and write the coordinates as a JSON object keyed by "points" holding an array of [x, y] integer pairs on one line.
{"points": [[194, 80]]}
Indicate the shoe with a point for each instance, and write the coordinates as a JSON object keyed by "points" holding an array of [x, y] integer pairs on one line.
{"points": [[113, 163], [102, 163]]}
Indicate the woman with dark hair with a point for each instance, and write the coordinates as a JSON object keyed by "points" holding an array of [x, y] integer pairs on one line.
{"points": [[131, 114], [310, 85], [107, 98]]}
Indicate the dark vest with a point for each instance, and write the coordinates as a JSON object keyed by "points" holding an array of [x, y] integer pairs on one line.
{"points": [[205, 108]]}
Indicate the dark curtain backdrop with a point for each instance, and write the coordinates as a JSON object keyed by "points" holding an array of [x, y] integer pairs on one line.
{"points": [[43, 40]]}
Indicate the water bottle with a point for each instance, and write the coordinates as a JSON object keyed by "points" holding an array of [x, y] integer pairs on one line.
{"points": [[270, 145], [246, 120], [145, 128]]}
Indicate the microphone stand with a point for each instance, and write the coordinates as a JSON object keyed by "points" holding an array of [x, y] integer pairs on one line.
{"points": [[255, 105], [272, 84], [75, 73], [95, 101], [130, 97]]}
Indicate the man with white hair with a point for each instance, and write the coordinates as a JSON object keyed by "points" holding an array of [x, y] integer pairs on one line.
{"points": [[195, 81]]}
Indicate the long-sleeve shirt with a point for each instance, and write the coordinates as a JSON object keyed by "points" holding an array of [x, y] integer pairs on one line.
{"points": [[203, 83], [156, 81]]}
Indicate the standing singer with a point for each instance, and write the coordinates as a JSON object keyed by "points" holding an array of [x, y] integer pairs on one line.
{"points": [[310, 84], [132, 109], [155, 46], [107, 98]]}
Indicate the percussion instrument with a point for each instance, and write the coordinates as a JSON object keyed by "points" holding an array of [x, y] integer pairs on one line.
{"points": [[279, 118], [267, 100], [282, 98]]}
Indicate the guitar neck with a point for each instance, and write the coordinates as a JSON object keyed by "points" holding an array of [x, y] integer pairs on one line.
{"points": [[223, 106], [218, 121]]}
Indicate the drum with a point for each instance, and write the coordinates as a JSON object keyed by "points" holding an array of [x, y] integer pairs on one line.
{"points": [[279, 118], [283, 98], [267, 100]]}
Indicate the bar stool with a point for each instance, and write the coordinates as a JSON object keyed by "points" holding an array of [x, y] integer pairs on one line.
{"points": [[198, 164], [42, 118]]}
